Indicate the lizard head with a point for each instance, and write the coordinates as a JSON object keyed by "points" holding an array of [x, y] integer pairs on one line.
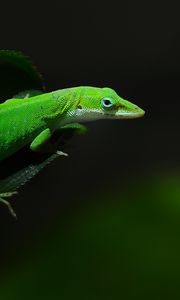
{"points": [[105, 103]]}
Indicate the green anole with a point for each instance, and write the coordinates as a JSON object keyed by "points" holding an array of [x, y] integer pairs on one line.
{"points": [[34, 119]]}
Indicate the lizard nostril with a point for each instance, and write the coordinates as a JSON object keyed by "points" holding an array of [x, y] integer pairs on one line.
{"points": [[79, 106]]}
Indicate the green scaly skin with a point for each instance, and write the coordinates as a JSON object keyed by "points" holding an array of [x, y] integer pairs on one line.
{"points": [[32, 121]]}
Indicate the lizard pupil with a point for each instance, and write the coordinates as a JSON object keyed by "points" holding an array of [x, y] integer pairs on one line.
{"points": [[107, 102]]}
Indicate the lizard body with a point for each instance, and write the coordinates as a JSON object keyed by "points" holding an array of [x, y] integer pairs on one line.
{"points": [[34, 120]]}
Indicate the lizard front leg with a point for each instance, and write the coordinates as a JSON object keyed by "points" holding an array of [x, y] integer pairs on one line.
{"points": [[66, 132], [42, 143]]}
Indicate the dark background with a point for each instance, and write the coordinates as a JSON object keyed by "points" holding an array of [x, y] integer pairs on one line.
{"points": [[131, 46]]}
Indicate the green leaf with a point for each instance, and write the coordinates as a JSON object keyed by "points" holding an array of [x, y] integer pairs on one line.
{"points": [[17, 74]]}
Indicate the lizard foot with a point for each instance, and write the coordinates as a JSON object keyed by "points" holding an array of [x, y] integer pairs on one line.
{"points": [[5, 202]]}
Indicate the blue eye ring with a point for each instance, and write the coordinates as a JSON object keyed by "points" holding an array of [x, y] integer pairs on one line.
{"points": [[107, 102]]}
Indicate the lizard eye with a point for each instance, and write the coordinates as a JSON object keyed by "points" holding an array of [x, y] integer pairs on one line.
{"points": [[107, 102]]}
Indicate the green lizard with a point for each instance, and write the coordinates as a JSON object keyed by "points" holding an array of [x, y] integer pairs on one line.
{"points": [[34, 117], [34, 120]]}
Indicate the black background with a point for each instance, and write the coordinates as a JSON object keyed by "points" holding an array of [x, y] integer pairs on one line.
{"points": [[131, 46]]}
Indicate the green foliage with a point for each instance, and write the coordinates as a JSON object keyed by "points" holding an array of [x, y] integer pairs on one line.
{"points": [[17, 74], [125, 244]]}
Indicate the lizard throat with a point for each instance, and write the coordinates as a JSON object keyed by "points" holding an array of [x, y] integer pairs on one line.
{"points": [[85, 115]]}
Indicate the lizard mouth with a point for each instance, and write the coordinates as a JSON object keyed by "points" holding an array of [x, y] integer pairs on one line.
{"points": [[130, 115]]}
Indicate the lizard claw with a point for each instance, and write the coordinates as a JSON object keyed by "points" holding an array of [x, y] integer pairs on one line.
{"points": [[11, 210], [61, 153], [6, 195]]}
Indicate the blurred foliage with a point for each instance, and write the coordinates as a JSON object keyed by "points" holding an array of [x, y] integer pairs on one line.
{"points": [[17, 74], [122, 244]]}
